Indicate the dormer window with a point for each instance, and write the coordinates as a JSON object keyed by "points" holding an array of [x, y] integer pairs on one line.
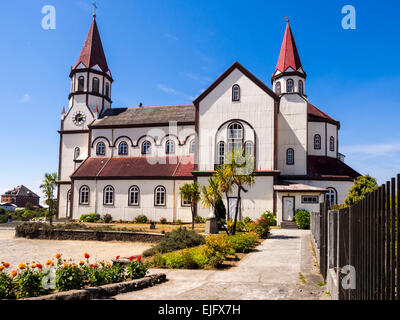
{"points": [[235, 93], [278, 90], [101, 149], [289, 85], [301, 87], [123, 148], [95, 85], [81, 83]]}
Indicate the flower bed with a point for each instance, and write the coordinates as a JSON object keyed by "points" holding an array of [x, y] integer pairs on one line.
{"points": [[56, 275], [212, 254]]}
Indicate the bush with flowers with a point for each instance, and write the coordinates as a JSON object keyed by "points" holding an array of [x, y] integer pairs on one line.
{"points": [[58, 274]]}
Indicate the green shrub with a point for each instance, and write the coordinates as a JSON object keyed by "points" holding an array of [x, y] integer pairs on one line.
{"points": [[178, 239], [115, 273], [247, 220], [270, 218], [302, 218], [198, 219], [174, 260], [6, 286], [220, 210], [29, 283], [216, 249], [70, 278], [243, 243], [93, 217], [260, 227], [3, 218], [179, 221], [95, 275], [190, 258], [2, 211], [107, 218], [136, 270], [163, 220], [141, 219], [31, 230]]}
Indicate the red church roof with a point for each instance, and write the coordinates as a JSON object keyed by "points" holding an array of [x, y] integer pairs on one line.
{"points": [[289, 56], [92, 52], [316, 114]]}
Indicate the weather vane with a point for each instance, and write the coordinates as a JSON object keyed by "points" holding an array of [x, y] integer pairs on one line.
{"points": [[94, 9]]}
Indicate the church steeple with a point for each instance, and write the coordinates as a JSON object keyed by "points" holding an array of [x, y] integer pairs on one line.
{"points": [[289, 67]]}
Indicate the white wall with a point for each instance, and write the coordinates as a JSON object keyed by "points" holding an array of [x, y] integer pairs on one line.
{"points": [[69, 143], [313, 129]]}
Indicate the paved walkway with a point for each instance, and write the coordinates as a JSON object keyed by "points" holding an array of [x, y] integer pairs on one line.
{"points": [[282, 267]]}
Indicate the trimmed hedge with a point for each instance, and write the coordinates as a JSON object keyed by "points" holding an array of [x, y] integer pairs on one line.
{"points": [[302, 218]]}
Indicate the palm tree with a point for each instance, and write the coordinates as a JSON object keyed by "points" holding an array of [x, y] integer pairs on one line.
{"points": [[191, 193], [48, 186], [224, 178]]}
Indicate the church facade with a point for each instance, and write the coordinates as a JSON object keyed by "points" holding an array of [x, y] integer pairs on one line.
{"points": [[131, 161]]}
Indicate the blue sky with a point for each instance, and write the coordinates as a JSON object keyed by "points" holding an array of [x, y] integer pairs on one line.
{"points": [[168, 52]]}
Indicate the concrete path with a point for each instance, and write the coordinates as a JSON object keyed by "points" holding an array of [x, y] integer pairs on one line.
{"points": [[282, 267]]}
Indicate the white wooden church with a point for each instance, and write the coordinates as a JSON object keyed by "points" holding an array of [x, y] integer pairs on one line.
{"points": [[131, 161]]}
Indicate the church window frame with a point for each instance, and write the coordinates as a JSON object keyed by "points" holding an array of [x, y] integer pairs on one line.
{"points": [[84, 193], [317, 142], [235, 92], [290, 156], [100, 148], [95, 85], [289, 86], [108, 195]]}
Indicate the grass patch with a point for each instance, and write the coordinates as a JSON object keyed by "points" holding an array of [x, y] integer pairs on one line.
{"points": [[302, 278]]}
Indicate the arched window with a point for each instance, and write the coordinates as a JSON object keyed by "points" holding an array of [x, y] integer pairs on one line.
{"points": [[108, 195], [235, 136], [278, 88], [81, 83], [107, 90], [289, 85], [331, 196], [95, 85], [101, 149], [77, 152], [170, 147], [235, 93], [84, 195], [159, 196], [290, 156], [123, 148], [192, 148], [317, 142], [134, 193], [248, 148], [146, 147], [221, 153], [301, 87], [332, 144]]}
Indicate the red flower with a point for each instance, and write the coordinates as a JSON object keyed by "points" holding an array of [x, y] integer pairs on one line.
{"points": [[117, 258], [39, 266], [131, 258], [87, 255], [139, 258]]}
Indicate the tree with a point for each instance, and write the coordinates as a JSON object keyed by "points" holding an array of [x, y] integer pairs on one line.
{"points": [[48, 186], [361, 187], [237, 173], [191, 193]]}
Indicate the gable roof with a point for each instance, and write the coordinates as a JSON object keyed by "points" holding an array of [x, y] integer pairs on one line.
{"points": [[317, 115], [92, 53], [21, 191], [321, 167], [247, 73], [146, 116], [288, 56], [136, 167]]}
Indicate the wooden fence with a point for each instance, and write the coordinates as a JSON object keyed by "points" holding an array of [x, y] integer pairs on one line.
{"points": [[362, 239]]}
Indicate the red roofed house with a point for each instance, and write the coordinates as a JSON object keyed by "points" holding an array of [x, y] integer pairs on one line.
{"points": [[131, 161]]}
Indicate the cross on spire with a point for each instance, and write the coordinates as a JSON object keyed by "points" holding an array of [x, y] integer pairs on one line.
{"points": [[94, 9], [287, 19]]}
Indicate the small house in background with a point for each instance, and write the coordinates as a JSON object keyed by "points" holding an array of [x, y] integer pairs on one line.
{"points": [[8, 206], [20, 196]]}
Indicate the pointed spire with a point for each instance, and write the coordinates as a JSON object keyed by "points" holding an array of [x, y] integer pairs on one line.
{"points": [[92, 52], [96, 110], [288, 57], [63, 110]]}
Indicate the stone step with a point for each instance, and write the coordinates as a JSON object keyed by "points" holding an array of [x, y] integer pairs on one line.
{"points": [[288, 225]]}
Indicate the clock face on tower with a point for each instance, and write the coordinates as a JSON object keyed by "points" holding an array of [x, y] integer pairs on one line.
{"points": [[79, 118]]}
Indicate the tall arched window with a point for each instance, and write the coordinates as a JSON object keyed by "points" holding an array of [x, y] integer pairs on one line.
{"points": [[146, 147], [107, 90], [290, 156], [108, 195], [81, 83], [159, 196], [235, 136], [248, 148], [236, 93], [101, 149], [123, 148], [332, 144], [317, 142], [331, 196], [301, 87], [95, 85], [289, 85], [192, 147], [221, 153], [77, 152], [84, 195], [134, 193], [278, 89], [170, 147]]}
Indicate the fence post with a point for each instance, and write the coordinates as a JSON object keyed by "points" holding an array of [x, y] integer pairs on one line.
{"points": [[323, 240]]}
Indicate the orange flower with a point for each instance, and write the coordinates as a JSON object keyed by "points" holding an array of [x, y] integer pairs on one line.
{"points": [[22, 266], [65, 265], [81, 263], [87, 255], [102, 262], [6, 264], [33, 266], [49, 263], [2, 267], [58, 255], [108, 264], [73, 266], [14, 273]]}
